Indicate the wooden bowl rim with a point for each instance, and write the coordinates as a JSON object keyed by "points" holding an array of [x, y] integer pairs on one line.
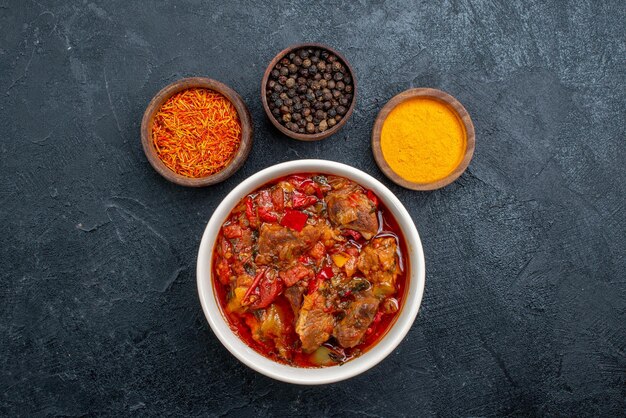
{"points": [[446, 99], [297, 135], [183, 84]]}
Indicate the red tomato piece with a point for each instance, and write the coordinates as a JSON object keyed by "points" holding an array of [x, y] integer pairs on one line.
{"points": [[310, 186], [232, 231], [325, 273], [223, 271], [266, 215], [318, 251], [356, 235], [305, 259], [313, 285], [278, 199], [269, 288], [294, 219], [371, 196], [251, 214], [301, 200]]}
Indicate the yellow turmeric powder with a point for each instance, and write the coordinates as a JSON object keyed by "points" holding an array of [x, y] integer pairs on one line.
{"points": [[423, 140]]}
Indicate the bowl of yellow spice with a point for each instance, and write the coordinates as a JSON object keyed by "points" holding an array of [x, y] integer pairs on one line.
{"points": [[423, 139]]}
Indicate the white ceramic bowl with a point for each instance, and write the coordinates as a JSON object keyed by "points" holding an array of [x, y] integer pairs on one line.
{"points": [[305, 376]]}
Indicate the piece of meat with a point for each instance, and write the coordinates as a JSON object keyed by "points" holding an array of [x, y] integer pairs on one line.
{"points": [[359, 315], [284, 244], [350, 208], [314, 325], [379, 261], [294, 295], [294, 274]]}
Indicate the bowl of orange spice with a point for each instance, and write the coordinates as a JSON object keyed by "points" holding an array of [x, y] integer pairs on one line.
{"points": [[196, 132], [423, 139]]}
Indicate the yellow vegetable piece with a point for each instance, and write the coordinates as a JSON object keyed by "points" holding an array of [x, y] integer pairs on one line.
{"points": [[339, 260], [234, 304]]}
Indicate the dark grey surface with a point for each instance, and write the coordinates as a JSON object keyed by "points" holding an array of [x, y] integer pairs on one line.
{"points": [[525, 299]]}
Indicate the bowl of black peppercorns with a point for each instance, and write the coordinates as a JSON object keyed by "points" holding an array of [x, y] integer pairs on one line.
{"points": [[308, 91]]}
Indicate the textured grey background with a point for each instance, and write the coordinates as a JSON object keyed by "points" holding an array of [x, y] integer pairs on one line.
{"points": [[525, 299]]}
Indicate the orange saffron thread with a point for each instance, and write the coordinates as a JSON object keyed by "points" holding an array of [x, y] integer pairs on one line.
{"points": [[196, 132]]}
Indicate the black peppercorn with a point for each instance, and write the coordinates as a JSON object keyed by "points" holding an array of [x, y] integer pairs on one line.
{"points": [[309, 90]]}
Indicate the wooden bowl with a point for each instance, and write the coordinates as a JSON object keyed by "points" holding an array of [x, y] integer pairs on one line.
{"points": [[277, 124], [162, 97], [446, 99]]}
